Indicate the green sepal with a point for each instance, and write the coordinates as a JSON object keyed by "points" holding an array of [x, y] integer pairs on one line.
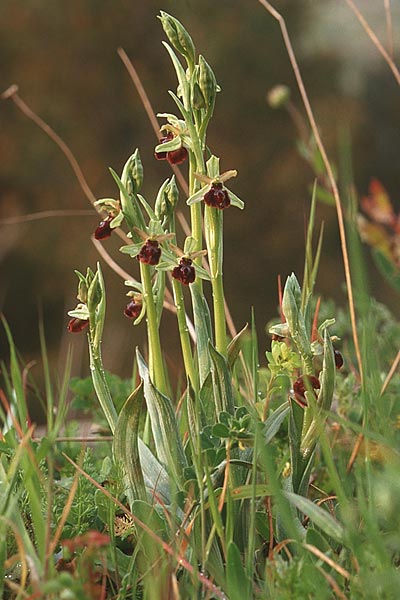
{"points": [[174, 144], [80, 313], [131, 249], [198, 196], [235, 200], [202, 273]]}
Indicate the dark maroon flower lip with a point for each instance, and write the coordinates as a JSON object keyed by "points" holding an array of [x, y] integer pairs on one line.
{"points": [[76, 325], [302, 385], [185, 271], [103, 231], [174, 157], [150, 253], [217, 196], [338, 359], [133, 309]]}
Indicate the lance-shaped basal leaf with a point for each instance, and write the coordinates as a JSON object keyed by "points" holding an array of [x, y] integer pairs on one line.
{"points": [[202, 323], [222, 382], [318, 516], [238, 583], [163, 424], [126, 447]]}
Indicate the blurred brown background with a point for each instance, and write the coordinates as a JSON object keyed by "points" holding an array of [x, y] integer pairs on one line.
{"points": [[63, 57]]}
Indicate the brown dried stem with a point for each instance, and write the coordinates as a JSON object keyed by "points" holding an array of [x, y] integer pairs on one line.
{"points": [[339, 210], [374, 39], [389, 27]]}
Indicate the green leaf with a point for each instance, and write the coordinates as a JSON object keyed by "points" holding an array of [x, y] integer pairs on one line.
{"points": [[275, 420], [129, 205], [101, 386], [198, 196], [155, 476], [163, 424], [220, 430], [389, 270], [202, 323], [235, 200], [236, 345], [238, 584], [222, 381], [125, 444], [244, 492], [318, 516]]}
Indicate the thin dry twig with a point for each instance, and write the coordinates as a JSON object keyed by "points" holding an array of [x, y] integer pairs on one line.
{"points": [[374, 39], [46, 214], [339, 211], [336, 589], [391, 373], [326, 559], [354, 454], [12, 93], [389, 27]]}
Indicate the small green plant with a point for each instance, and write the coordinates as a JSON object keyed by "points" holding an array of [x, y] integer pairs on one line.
{"points": [[244, 481]]}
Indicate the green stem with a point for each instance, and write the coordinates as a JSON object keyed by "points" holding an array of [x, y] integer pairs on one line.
{"points": [[184, 335], [156, 363], [214, 240]]}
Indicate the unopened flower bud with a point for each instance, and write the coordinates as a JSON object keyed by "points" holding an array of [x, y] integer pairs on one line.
{"points": [[207, 81], [132, 173], [178, 36]]}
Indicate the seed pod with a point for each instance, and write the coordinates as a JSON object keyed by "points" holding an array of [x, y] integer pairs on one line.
{"points": [[207, 81], [178, 36], [150, 253], [103, 230]]}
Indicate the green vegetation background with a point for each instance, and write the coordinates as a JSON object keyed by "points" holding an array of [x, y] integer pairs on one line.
{"points": [[63, 57]]}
